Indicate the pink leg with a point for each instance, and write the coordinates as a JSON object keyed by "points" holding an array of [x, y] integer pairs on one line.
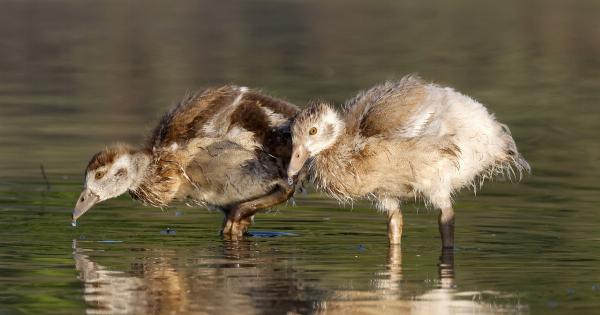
{"points": [[395, 223]]}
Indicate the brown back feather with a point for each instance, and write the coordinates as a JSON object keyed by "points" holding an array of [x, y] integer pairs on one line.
{"points": [[278, 106], [385, 108], [187, 118], [275, 139], [250, 116]]}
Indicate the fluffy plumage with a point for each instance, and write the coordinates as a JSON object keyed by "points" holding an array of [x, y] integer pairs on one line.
{"points": [[223, 148], [403, 140]]}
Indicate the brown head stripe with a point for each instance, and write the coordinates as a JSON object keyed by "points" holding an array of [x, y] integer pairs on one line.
{"points": [[107, 156]]}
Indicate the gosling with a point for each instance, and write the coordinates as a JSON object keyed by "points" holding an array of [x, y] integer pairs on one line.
{"points": [[403, 140], [226, 148]]}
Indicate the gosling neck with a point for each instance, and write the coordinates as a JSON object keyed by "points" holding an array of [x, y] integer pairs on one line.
{"points": [[332, 170], [140, 167]]}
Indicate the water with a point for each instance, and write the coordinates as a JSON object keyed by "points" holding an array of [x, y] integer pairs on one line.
{"points": [[78, 75]]}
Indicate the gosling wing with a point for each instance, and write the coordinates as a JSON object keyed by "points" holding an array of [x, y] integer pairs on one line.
{"points": [[190, 116], [393, 109], [236, 113]]}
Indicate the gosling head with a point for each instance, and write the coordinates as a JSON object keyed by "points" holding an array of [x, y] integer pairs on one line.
{"points": [[315, 129], [109, 174]]}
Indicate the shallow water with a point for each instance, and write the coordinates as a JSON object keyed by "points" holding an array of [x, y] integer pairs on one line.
{"points": [[77, 75]]}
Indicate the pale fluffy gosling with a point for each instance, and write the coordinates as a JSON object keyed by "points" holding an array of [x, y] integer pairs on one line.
{"points": [[403, 140]]}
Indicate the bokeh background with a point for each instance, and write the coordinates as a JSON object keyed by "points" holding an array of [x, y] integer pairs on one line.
{"points": [[76, 76]]}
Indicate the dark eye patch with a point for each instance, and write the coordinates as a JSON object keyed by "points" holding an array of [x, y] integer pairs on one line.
{"points": [[121, 172], [329, 131]]}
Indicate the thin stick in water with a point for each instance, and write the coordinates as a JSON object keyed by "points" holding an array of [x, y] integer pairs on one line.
{"points": [[45, 177]]}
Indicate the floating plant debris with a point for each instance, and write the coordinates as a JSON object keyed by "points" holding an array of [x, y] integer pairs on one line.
{"points": [[168, 231]]}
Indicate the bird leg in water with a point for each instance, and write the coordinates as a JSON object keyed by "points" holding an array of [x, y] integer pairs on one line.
{"points": [[446, 268], [395, 223], [446, 226], [235, 230], [239, 218]]}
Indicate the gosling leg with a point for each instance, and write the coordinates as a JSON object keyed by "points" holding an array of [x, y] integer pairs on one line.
{"points": [[446, 226], [239, 218], [235, 230], [395, 223]]}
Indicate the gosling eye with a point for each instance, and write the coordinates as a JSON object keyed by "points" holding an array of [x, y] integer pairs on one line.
{"points": [[99, 175], [312, 131]]}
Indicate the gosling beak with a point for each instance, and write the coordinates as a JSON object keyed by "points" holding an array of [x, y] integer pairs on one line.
{"points": [[299, 157], [86, 201]]}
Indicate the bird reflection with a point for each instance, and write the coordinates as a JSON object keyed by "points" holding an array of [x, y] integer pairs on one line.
{"points": [[446, 269], [442, 300], [388, 296], [152, 287], [239, 278], [160, 281]]}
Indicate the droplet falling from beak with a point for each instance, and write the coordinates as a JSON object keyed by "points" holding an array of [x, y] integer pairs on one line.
{"points": [[86, 201]]}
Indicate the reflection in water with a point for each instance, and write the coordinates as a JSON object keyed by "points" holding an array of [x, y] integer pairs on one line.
{"points": [[387, 296], [239, 282], [234, 283], [157, 287]]}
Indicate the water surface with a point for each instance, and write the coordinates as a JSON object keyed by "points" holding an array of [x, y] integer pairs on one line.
{"points": [[78, 75]]}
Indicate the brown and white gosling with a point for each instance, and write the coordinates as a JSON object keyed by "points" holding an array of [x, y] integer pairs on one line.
{"points": [[402, 140], [226, 148]]}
